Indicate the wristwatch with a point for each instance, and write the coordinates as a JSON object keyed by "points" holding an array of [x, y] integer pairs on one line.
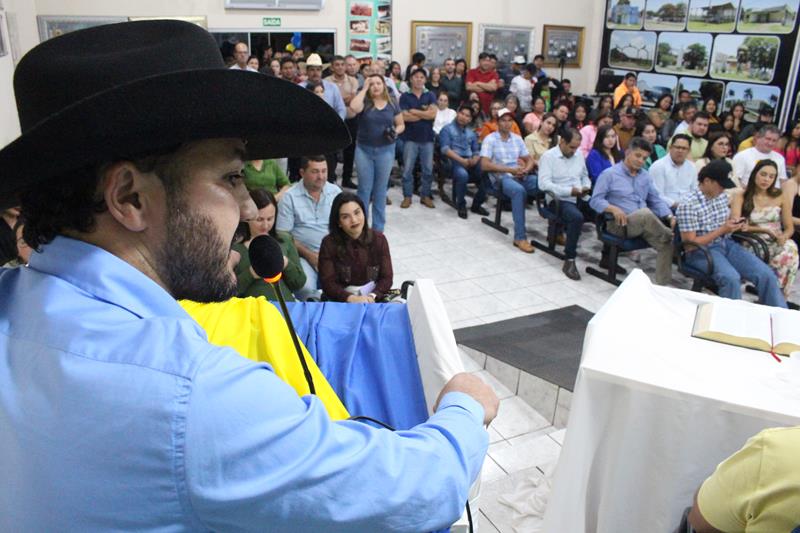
{"points": [[373, 296]]}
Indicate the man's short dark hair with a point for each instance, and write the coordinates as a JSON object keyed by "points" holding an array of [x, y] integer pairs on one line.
{"points": [[337, 58], [701, 114], [683, 91], [418, 71], [569, 134], [688, 105], [768, 128], [466, 107], [493, 57], [638, 143], [287, 59], [566, 80], [538, 56], [484, 55], [679, 136], [307, 159], [418, 58], [630, 75], [348, 56]]}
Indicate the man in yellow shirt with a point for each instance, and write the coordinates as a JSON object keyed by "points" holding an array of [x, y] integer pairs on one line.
{"points": [[628, 86], [755, 489]]}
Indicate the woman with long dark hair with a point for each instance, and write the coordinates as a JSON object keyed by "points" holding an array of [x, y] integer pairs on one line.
{"points": [[293, 277], [769, 212], [647, 131], [605, 152], [579, 116], [354, 261], [719, 146], [791, 148], [544, 138], [532, 120], [599, 119], [660, 113]]}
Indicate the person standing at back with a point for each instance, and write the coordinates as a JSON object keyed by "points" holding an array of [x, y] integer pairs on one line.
{"points": [[419, 112], [483, 81]]}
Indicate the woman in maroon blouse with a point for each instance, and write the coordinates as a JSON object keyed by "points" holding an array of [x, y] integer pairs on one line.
{"points": [[354, 261]]}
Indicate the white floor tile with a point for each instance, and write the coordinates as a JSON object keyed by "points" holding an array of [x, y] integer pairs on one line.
{"points": [[525, 452], [491, 471], [516, 418]]}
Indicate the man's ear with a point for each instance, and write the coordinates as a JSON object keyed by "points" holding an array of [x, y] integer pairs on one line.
{"points": [[131, 195]]}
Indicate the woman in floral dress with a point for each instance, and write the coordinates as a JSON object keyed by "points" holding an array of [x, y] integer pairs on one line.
{"points": [[769, 213]]}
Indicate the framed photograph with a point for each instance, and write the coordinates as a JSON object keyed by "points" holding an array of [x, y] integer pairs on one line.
{"points": [[506, 42], [718, 16], [634, 50], [440, 40], [562, 42], [200, 21], [625, 15], [683, 53], [767, 16], [4, 44], [665, 15], [53, 26], [752, 97], [654, 86], [745, 57], [702, 90]]}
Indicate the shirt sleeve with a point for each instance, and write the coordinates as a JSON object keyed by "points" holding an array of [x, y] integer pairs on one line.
{"points": [[293, 274], [487, 147], [405, 103], [523, 150], [444, 140], [687, 217], [285, 220], [470, 76], [598, 201], [656, 202], [546, 178], [338, 102], [386, 276], [739, 166], [657, 172], [584, 176], [327, 272], [473, 142], [256, 454]]}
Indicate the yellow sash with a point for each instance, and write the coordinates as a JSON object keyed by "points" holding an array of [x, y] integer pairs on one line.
{"points": [[256, 329]]}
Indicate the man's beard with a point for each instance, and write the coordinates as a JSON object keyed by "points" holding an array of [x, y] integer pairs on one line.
{"points": [[193, 263]]}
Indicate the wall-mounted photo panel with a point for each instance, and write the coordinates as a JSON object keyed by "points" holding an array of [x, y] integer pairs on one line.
{"points": [[713, 15], [701, 89], [767, 16], [683, 53], [752, 96], [665, 15], [506, 42], [632, 50], [653, 86], [625, 14], [745, 57]]}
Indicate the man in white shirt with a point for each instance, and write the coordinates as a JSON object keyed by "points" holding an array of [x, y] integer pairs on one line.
{"points": [[689, 110], [674, 175], [241, 53], [521, 88], [562, 171], [764, 143]]}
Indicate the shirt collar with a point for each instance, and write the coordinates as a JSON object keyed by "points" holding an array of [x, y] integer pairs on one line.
{"points": [[106, 277]]}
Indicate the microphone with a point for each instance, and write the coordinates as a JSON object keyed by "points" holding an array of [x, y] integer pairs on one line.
{"points": [[266, 258]]}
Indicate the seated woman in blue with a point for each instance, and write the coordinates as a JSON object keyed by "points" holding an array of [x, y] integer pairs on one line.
{"points": [[605, 152], [354, 261]]}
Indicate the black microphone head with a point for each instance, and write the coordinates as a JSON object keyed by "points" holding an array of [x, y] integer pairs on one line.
{"points": [[266, 256]]}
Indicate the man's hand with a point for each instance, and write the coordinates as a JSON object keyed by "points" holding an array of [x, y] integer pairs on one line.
{"points": [[732, 225], [358, 299], [475, 388], [619, 215], [576, 191], [474, 160], [672, 222]]}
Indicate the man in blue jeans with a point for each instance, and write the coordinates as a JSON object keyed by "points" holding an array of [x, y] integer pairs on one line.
{"points": [[419, 112], [704, 218], [504, 155], [460, 146]]}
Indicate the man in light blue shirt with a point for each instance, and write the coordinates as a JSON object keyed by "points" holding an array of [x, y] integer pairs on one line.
{"points": [[332, 95], [115, 411], [626, 191], [562, 171], [674, 175], [304, 212]]}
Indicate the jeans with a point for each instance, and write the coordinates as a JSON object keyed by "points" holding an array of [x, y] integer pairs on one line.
{"points": [[411, 151], [461, 177], [732, 263], [374, 164], [517, 191], [572, 218]]}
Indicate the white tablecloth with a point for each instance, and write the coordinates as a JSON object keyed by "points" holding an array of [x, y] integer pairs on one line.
{"points": [[655, 410]]}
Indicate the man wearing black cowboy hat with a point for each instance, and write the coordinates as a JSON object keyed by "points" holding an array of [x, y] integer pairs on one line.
{"points": [[115, 412]]}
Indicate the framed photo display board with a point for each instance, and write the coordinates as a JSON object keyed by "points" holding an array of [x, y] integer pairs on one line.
{"points": [[369, 29], [440, 40], [562, 42], [732, 50], [53, 26], [506, 42]]}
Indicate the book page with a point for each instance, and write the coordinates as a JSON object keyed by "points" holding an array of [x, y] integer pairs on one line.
{"points": [[735, 323], [786, 331]]}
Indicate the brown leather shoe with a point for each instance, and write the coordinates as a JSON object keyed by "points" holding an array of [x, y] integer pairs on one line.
{"points": [[427, 201], [525, 246], [561, 239], [406, 202]]}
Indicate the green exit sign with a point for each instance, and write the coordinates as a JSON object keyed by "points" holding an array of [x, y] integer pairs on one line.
{"points": [[271, 21]]}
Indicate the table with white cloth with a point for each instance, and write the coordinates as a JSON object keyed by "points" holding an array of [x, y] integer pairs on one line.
{"points": [[655, 410]]}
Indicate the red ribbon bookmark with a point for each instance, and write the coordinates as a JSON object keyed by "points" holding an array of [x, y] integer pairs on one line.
{"points": [[772, 342]]}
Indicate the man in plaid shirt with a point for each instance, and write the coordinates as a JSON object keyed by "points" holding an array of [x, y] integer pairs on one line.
{"points": [[704, 218]]}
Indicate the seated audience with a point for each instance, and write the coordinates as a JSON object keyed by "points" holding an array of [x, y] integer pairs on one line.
{"points": [[562, 171], [293, 277], [737, 110], [674, 175], [659, 114], [791, 189], [704, 218], [444, 114], [626, 127], [490, 126], [763, 148], [726, 124], [719, 147], [754, 489], [532, 120], [266, 174], [477, 115], [627, 192], [589, 132], [606, 103], [710, 107], [687, 111], [512, 104], [647, 131], [459, 146], [542, 139], [561, 112], [604, 154], [579, 117], [697, 131], [505, 157], [521, 87], [304, 213], [766, 116], [628, 87], [380, 121], [768, 212], [625, 103], [791, 148], [354, 261]]}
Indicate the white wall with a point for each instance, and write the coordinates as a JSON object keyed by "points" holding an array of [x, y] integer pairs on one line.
{"points": [[533, 13]]}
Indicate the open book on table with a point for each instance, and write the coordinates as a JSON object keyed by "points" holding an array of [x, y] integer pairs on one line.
{"points": [[769, 329]]}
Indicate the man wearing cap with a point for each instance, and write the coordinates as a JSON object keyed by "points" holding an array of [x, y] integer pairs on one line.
{"points": [[521, 87], [116, 411], [419, 112], [764, 143], [626, 127], [241, 54], [628, 86], [331, 94], [505, 157], [704, 219], [510, 72]]}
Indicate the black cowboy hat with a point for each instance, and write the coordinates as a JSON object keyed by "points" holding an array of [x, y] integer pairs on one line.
{"points": [[123, 90]]}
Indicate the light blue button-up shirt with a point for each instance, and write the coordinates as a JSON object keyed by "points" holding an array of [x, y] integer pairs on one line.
{"points": [[332, 96], [618, 187], [305, 218], [117, 414]]}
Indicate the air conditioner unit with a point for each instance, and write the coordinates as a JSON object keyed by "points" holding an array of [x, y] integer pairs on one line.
{"points": [[287, 5]]}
